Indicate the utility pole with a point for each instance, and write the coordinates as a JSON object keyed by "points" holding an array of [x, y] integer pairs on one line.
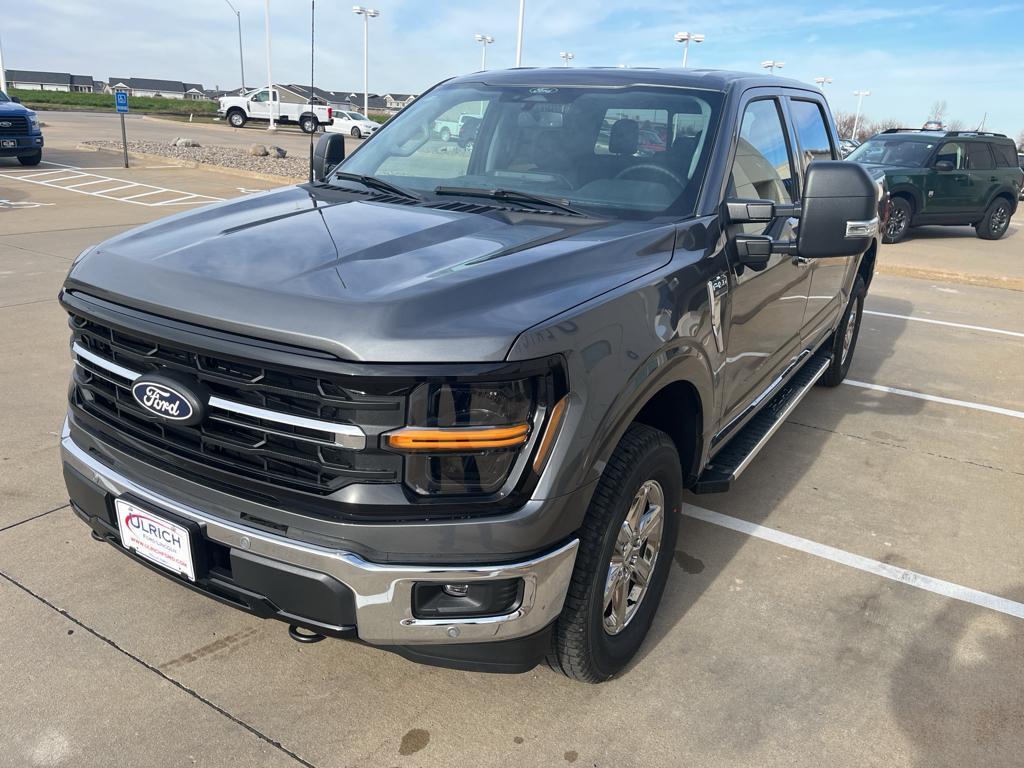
{"points": [[270, 77], [519, 33], [241, 61], [367, 14], [856, 120]]}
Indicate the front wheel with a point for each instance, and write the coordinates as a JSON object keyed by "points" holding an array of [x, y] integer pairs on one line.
{"points": [[626, 549], [356, 133], [309, 124], [34, 159], [900, 215], [844, 341], [236, 118], [996, 220]]}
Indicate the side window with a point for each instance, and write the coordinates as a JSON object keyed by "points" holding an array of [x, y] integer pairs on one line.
{"points": [[1006, 156], [811, 130], [762, 167], [954, 152], [261, 96], [979, 158]]}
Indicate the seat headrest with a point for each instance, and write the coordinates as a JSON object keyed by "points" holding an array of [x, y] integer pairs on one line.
{"points": [[624, 138]]}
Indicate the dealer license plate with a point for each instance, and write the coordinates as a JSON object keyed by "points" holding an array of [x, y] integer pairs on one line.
{"points": [[155, 538]]}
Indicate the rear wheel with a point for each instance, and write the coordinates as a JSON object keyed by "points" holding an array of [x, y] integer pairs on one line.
{"points": [[309, 123], [446, 135], [996, 220], [33, 159], [898, 225], [844, 341], [236, 118], [626, 550]]}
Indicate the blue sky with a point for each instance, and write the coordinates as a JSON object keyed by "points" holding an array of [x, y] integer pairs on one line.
{"points": [[908, 53]]}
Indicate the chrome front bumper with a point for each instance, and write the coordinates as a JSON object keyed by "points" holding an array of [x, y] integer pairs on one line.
{"points": [[383, 593]]}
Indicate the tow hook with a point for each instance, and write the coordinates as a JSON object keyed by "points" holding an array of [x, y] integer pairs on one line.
{"points": [[302, 635]]}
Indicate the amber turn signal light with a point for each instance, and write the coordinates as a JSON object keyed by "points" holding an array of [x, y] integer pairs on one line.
{"points": [[458, 438]]}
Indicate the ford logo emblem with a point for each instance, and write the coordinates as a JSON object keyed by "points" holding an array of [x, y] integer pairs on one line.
{"points": [[5, 124], [170, 397]]}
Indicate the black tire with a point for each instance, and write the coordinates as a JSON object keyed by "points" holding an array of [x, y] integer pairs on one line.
{"points": [[309, 123], [996, 220], [900, 215], [236, 118], [581, 647], [844, 340], [356, 133], [34, 159], [446, 135]]}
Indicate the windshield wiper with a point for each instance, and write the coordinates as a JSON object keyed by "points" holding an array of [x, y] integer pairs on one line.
{"points": [[512, 195], [374, 183]]}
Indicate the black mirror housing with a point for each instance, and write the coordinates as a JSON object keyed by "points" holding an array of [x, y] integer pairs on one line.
{"points": [[944, 165], [329, 152], [15, 99], [839, 211]]}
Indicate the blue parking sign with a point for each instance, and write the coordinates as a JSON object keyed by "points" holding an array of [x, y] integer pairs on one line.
{"points": [[121, 101]]}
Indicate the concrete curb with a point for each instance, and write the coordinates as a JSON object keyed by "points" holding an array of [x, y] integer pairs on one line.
{"points": [[218, 169], [945, 276]]}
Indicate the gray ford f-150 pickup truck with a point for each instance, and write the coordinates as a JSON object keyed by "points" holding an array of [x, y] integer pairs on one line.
{"points": [[446, 400]]}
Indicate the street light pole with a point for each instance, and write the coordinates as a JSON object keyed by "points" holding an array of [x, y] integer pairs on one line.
{"points": [[685, 38], [566, 57], [856, 119], [519, 33], [270, 77], [241, 61], [367, 14], [822, 81], [3, 73], [484, 41], [771, 65]]}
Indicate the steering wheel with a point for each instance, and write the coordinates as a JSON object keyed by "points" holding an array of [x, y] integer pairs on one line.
{"points": [[651, 167]]}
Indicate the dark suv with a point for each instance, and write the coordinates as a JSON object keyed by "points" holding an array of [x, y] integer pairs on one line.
{"points": [[447, 402], [945, 177], [20, 134]]}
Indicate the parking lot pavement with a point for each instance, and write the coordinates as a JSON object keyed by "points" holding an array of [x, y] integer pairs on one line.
{"points": [[765, 652]]}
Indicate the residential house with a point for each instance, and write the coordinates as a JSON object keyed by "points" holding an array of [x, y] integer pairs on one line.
{"points": [[394, 102], [30, 80], [165, 89]]}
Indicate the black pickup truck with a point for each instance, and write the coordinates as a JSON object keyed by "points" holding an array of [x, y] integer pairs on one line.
{"points": [[446, 400]]}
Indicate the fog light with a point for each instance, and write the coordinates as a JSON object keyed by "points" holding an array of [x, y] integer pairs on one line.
{"points": [[475, 599], [456, 590]]}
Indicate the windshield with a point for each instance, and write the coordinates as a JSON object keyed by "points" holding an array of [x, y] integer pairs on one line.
{"points": [[613, 152], [890, 150], [3, 97]]}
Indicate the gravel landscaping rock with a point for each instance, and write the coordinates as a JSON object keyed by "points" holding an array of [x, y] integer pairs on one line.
{"points": [[272, 160], [258, 150]]}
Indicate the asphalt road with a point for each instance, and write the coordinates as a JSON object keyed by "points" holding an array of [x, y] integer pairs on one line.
{"points": [[785, 637]]}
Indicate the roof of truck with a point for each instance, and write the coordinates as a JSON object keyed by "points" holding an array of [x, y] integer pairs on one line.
{"points": [[710, 79]]}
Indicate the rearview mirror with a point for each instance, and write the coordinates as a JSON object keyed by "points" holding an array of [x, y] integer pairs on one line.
{"points": [[944, 165], [329, 152], [840, 210]]}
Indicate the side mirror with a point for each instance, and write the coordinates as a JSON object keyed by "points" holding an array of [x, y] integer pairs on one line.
{"points": [[15, 99], [840, 210], [944, 165], [329, 152]]}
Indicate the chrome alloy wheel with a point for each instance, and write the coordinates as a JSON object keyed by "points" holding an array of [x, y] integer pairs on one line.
{"points": [[1000, 219], [898, 222], [851, 327], [633, 558]]}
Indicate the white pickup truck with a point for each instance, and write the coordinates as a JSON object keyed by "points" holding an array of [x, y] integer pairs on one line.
{"points": [[259, 104]]}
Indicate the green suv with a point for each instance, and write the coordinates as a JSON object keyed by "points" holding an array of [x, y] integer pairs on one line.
{"points": [[945, 177]]}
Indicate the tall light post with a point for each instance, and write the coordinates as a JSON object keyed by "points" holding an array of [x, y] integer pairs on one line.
{"points": [[566, 57], [771, 65], [241, 61], [367, 14], [685, 38], [519, 33], [822, 81], [856, 118], [270, 77], [484, 41], [3, 73]]}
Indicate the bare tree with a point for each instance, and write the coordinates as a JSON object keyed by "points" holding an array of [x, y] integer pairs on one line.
{"points": [[1020, 142], [844, 123], [938, 111], [955, 125]]}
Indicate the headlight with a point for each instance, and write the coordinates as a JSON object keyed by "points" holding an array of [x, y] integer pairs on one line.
{"points": [[469, 438], [33, 121]]}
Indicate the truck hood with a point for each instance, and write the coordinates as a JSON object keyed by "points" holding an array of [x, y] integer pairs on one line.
{"points": [[367, 280], [11, 108]]}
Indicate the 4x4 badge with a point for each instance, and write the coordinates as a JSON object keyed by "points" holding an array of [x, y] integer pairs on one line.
{"points": [[720, 283]]}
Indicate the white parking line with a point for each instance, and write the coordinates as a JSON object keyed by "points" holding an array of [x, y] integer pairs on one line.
{"points": [[945, 322], [83, 178], [937, 399], [861, 563]]}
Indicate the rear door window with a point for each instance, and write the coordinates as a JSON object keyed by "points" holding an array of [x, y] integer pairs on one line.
{"points": [[811, 131], [979, 158], [1005, 153]]}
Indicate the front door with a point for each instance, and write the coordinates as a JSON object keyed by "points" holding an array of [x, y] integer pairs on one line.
{"points": [[949, 191], [260, 105], [765, 306]]}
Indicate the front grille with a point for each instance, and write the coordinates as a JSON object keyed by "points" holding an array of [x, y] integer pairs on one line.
{"points": [[269, 450], [18, 125]]}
